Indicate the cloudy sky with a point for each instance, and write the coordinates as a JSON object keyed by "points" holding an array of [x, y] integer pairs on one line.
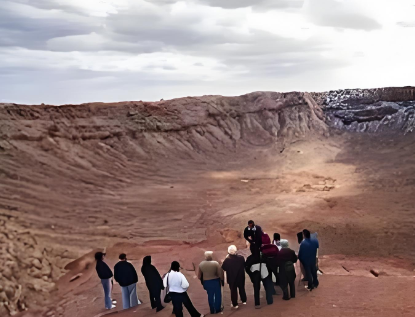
{"points": [[73, 51]]}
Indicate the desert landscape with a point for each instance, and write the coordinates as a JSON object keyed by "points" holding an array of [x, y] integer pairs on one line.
{"points": [[175, 178]]}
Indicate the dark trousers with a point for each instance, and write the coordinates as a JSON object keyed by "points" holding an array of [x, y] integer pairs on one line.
{"points": [[180, 299], [255, 249], [291, 284], [268, 285], [269, 289], [234, 292], [272, 266], [311, 274], [155, 298], [213, 289]]}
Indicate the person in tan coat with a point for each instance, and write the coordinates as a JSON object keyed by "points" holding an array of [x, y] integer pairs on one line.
{"points": [[211, 275]]}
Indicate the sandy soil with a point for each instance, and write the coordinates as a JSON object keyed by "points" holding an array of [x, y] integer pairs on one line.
{"points": [[346, 188]]}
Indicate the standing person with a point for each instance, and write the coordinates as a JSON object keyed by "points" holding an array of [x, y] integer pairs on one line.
{"points": [[105, 274], [154, 282], [234, 266], [253, 234], [286, 259], [126, 275], [177, 286], [258, 271], [269, 256], [307, 256], [277, 238], [211, 275]]}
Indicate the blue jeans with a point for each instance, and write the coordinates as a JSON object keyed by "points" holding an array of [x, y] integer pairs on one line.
{"points": [[213, 290], [106, 284], [129, 296]]}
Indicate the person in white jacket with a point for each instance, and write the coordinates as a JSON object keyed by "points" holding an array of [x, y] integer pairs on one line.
{"points": [[176, 285]]}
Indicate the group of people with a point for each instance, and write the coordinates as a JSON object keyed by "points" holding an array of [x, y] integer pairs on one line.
{"points": [[271, 263]]}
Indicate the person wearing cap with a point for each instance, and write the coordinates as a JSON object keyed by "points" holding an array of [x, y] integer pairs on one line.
{"points": [[176, 285], [234, 267], [211, 275], [105, 274], [126, 275], [285, 260]]}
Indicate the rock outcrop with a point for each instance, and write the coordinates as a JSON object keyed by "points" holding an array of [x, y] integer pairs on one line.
{"points": [[370, 110], [28, 272]]}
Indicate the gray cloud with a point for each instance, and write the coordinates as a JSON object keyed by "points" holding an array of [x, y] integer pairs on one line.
{"points": [[339, 15], [61, 52], [29, 31], [257, 4]]}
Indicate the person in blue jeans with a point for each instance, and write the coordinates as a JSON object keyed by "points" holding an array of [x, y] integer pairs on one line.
{"points": [[105, 274], [126, 275], [211, 275], [307, 256]]}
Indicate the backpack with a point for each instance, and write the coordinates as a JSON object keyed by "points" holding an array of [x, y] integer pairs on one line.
{"points": [[269, 250]]}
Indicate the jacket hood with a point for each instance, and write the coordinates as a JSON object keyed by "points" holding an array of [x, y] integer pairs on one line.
{"points": [[147, 260]]}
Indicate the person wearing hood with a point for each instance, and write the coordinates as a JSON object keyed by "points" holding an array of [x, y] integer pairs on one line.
{"points": [[126, 275], [257, 271], [234, 266], [276, 241], [154, 282], [105, 274], [176, 285], [286, 259]]}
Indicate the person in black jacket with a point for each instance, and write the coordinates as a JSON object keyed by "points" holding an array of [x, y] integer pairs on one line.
{"points": [[257, 271], [286, 259], [253, 234], [153, 281], [234, 266], [105, 274], [126, 275]]}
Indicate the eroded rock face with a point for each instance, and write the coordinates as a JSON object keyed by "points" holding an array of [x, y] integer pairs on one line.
{"points": [[28, 272], [191, 125], [370, 110]]}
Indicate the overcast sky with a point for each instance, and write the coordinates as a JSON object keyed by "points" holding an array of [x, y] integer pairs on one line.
{"points": [[73, 51]]}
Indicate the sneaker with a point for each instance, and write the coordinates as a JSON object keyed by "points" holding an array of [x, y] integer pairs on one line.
{"points": [[257, 306], [286, 298], [112, 307], [244, 303], [114, 302], [236, 307], [308, 289]]}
